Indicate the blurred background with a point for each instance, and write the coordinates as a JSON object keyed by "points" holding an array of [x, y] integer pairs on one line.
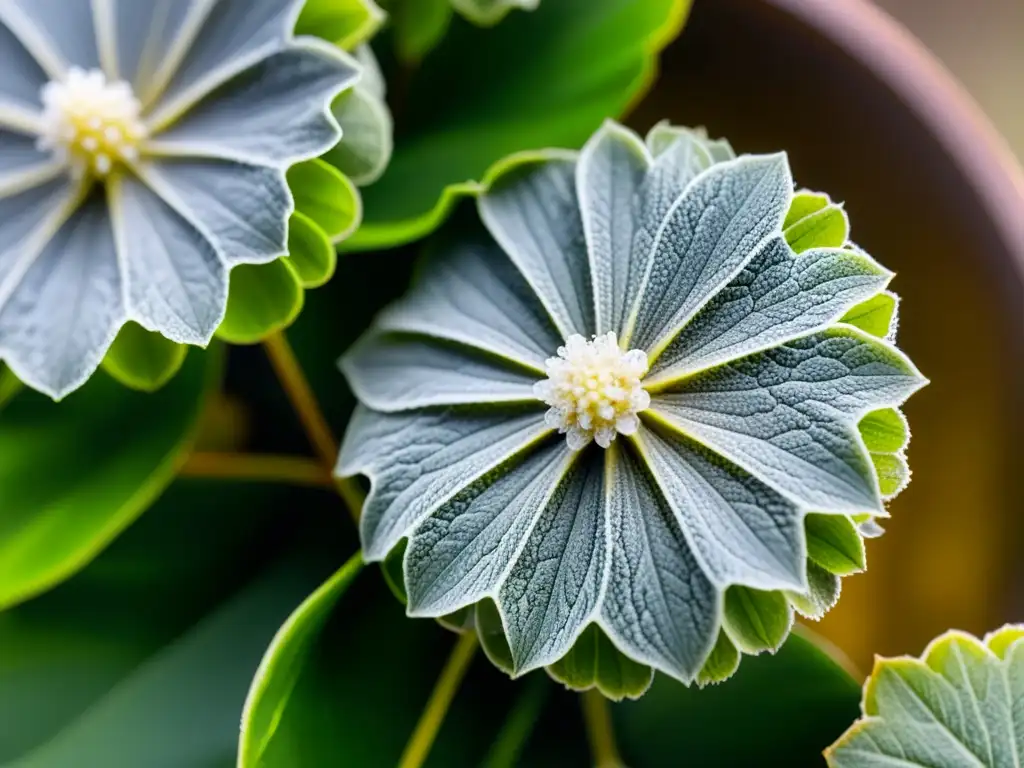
{"points": [[867, 114]]}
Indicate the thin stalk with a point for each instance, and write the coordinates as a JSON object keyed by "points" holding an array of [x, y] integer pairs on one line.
{"points": [[293, 470], [518, 727], [422, 739], [300, 394], [598, 720]]}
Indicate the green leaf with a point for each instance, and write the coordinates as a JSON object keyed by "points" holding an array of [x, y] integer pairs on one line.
{"points": [[74, 475], [595, 662], [279, 671], [143, 360], [893, 473], [346, 23], [756, 620], [327, 197], [391, 568], [478, 92], [875, 316], [834, 544], [821, 596], [804, 203], [826, 228], [778, 710], [418, 26], [310, 252], [958, 705], [264, 298], [884, 431], [492, 636], [721, 664]]}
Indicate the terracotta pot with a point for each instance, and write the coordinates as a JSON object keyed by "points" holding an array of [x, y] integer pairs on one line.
{"points": [[868, 115]]}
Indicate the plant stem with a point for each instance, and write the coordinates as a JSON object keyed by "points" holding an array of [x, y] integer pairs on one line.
{"points": [[422, 740], [300, 394], [295, 470], [511, 740], [598, 720]]}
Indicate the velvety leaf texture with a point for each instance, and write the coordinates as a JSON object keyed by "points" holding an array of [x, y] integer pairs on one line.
{"points": [[197, 110], [960, 704], [624, 419]]}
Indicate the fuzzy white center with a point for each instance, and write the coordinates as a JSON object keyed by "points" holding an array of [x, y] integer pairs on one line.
{"points": [[594, 390], [90, 123]]}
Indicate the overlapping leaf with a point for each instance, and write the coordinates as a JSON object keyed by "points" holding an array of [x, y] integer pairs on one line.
{"points": [[737, 500], [960, 704]]}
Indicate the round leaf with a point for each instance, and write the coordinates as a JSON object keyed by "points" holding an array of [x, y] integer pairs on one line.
{"points": [[142, 359], [264, 298], [310, 253], [327, 197]]}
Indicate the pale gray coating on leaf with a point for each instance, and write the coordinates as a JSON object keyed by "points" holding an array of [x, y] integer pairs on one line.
{"points": [[241, 209], [961, 704], [752, 425], [462, 551], [60, 24], [21, 77], [554, 588], [291, 89], [472, 294], [789, 415], [659, 605], [234, 86], [175, 281], [68, 304], [740, 530], [821, 595], [534, 214], [777, 297], [398, 373], [143, 35], [624, 195], [417, 461], [708, 235]]}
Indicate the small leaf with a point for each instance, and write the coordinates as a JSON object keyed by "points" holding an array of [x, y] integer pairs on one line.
{"points": [[282, 663], [834, 544], [264, 298], [458, 621], [893, 473], [346, 23], [142, 359], [391, 568], [958, 705], [492, 636], [827, 228], [721, 664], [822, 594], [310, 253], [595, 662], [366, 142], [756, 621], [110, 470], [874, 316], [884, 431], [804, 203], [487, 13], [327, 197]]}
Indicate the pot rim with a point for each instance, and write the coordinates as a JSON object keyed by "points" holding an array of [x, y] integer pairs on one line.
{"points": [[884, 47]]}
